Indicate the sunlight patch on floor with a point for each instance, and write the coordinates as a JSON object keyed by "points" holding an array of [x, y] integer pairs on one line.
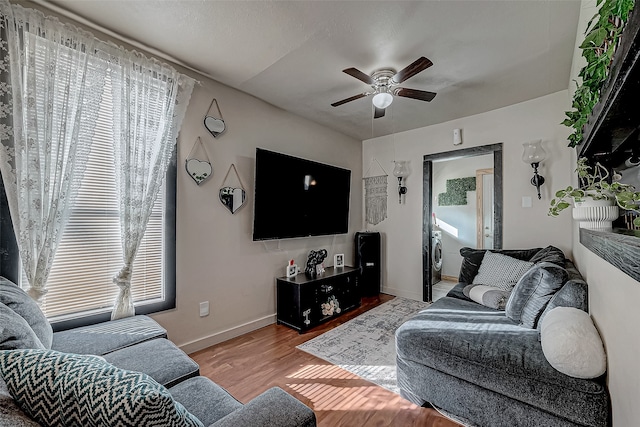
{"points": [[333, 398], [313, 372]]}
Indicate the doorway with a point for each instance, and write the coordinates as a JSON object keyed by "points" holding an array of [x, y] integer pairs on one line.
{"points": [[491, 213]]}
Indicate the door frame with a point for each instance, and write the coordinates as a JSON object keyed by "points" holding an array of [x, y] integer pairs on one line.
{"points": [[427, 206]]}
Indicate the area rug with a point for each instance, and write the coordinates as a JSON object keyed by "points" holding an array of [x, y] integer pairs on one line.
{"points": [[366, 345]]}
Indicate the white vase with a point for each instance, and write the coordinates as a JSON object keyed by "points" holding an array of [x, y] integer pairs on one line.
{"points": [[596, 214]]}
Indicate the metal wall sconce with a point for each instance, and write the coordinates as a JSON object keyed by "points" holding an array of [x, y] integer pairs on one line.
{"points": [[534, 154], [401, 171]]}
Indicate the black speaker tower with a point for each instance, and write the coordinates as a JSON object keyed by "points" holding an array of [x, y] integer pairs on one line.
{"points": [[367, 259]]}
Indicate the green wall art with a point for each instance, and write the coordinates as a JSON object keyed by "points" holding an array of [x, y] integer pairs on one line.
{"points": [[456, 194]]}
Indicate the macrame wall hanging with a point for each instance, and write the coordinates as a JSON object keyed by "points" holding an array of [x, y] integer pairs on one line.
{"points": [[199, 169], [375, 190]]}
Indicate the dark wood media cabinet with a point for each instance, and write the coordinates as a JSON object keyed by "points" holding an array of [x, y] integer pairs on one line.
{"points": [[304, 303]]}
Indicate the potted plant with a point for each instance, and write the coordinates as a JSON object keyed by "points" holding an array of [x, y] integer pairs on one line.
{"points": [[596, 202]]}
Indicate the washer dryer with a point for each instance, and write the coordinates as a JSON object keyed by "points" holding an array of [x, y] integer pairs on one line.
{"points": [[436, 256]]}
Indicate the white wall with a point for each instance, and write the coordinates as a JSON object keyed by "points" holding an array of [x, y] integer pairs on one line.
{"points": [[217, 261], [522, 227], [613, 302]]}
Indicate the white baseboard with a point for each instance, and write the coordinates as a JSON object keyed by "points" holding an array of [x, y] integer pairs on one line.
{"points": [[227, 334], [402, 293]]}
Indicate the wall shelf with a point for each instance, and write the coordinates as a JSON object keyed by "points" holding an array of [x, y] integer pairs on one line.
{"points": [[612, 131], [620, 248]]}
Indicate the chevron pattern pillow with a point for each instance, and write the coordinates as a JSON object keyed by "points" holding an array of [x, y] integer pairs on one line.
{"points": [[78, 390]]}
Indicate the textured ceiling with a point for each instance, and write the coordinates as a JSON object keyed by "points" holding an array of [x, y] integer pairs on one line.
{"points": [[486, 54]]}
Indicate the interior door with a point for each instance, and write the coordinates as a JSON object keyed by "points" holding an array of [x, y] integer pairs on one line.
{"points": [[485, 208]]}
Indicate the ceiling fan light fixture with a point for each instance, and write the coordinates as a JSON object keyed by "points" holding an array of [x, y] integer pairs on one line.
{"points": [[382, 100]]}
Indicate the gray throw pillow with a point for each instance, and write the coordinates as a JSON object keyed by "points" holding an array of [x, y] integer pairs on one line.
{"points": [[15, 332], [19, 301], [533, 292], [488, 296], [549, 254], [500, 271]]}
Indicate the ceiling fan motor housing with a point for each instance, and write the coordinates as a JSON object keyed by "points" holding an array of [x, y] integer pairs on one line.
{"points": [[383, 80]]}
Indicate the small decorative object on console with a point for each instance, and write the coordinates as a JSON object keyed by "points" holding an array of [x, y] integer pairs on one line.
{"points": [[338, 260], [292, 269], [315, 258], [331, 306]]}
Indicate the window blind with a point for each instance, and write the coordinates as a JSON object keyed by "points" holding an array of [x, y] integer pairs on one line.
{"points": [[90, 252]]}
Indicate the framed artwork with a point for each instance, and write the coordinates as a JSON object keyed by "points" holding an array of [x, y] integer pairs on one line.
{"points": [[338, 260]]}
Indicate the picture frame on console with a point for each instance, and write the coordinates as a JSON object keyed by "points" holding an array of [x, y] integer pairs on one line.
{"points": [[338, 261]]}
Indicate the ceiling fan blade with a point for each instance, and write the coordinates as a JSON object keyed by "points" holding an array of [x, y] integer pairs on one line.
{"points": [[354, 72], [353, 98], [422, 95], [412, 69], [378, 113]]}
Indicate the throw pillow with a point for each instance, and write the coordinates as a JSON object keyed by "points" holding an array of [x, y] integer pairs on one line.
{"points": [[532, 293], [19, 301], [500, 271], [70, 389], [472, 258], [571, 343], [489, 296], [549, 254], [15, 332]]}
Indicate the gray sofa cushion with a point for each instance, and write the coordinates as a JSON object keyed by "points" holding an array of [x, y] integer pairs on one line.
{"points": [[472, 258], [159, 358], [532, 293], [549, 254], [15, 332], [273, 408], [482, 346], [489, 409], [574, 293], [204, 399], [109, 336], [19, 301]]}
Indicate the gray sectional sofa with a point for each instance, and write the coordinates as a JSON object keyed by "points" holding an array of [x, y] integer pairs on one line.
{"points": [[476, 363], [137, 344]]}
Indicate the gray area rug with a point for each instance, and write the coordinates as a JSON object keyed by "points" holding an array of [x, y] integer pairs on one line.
{"points": [[366, 345]]}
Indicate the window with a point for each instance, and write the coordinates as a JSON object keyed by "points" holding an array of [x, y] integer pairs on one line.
{"points": [[62, 73], [90, 251]]}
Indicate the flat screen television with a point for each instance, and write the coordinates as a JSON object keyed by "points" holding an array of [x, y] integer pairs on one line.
{"points": [[296, 197]]}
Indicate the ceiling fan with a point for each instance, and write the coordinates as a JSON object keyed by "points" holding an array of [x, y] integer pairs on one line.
{"points": [[384, 83]]}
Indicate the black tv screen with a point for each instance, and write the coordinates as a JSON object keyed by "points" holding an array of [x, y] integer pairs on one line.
{"points": [[298, 198]]}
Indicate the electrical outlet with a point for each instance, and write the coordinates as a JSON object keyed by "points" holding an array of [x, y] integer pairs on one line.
{"points": [[204, 308]]}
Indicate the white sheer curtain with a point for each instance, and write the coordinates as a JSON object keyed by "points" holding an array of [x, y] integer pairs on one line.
{"points": [[149, 101], [50, 89]]}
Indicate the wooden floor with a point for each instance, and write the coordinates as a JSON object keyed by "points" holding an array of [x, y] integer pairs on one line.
{"points": [[250, 364]]}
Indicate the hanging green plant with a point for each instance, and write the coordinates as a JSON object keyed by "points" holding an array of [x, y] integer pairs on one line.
{"points": [[598, 47]]}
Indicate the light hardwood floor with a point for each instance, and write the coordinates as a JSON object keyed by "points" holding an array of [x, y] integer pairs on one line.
{"points": [[250, 364]]}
